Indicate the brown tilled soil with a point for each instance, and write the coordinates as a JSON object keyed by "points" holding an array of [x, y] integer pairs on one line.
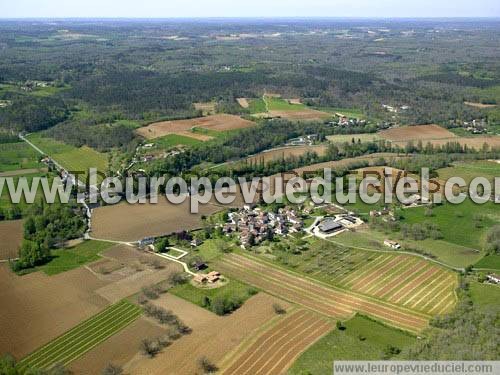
{"points": [[220, 122], [305, 114], [213, 336], [416, 132], [316, 296], [11, 235], [37, 308], [131, 222], [286, 152], [275, 350]]}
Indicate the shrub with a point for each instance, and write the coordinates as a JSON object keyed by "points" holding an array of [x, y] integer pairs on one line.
{"points": [[206, 365], [278, 309], [112, 369], [149, 348]]}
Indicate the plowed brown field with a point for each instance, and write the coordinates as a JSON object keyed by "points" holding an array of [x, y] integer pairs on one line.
{"points": [[416, 132], [275, 350], [221, 122], [11, 235]]}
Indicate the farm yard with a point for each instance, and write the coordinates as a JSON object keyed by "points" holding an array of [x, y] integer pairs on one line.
{"points": [[83, 337], [132, 222], [219, 123], [317, 296], [276, 348], [11, 235]]}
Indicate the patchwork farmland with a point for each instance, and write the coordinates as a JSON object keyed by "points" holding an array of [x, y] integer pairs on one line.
{"points": [[83, 337], [275, 349], [316, 296], [418, 132]]}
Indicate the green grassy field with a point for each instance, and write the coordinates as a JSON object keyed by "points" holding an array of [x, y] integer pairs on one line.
{"points": [[363, 339], [83, 337], [74, 257], [342, 138], [349, 112], [256, 106], [19, 155], [491, 262], [233, 288], [173, 140], [277, 104], [484, 294], [457, 223], [70, 157], [470, 170]]}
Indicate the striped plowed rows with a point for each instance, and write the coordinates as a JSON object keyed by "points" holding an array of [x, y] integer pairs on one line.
{"points": [[276, 349], [316, 296], [405, 280]]}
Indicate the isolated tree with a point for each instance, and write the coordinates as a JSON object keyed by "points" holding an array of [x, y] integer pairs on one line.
{"points": [[112, 369], [206, 365]]}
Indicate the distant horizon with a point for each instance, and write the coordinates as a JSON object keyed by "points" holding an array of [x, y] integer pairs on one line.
{"points": [[196, 9]]}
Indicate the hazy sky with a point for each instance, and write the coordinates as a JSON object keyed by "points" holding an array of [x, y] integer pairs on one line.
{"points": [[249, 8]]}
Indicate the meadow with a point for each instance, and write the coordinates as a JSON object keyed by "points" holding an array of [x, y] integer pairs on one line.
{"points": [[342, 138], [470, 170], [490, 262], [362, 339], [70, 157], [73, 257], [19, 155]]}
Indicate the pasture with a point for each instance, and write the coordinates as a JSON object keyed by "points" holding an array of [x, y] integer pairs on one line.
{"points": [[464, 224], [18, 156], [70, 157], [362, 339], [489, 262], [317, 296], [274, 351], [470, 170], [11, 235], [66, 259], [220, 123], [174, 140], [83, 337]]}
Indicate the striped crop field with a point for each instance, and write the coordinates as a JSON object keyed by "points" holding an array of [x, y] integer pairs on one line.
{"points": [[404, 280], [317, 296], [83, 337]]}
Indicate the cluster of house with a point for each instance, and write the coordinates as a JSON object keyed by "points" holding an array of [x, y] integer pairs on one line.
{"points": [[30, 85], [392, 109], [209, 278], [475, 126], [385, 213], [255, 225], [306, 140], [346, 121]]}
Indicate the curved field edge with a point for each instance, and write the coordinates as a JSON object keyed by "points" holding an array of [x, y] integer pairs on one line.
{"points": [[83, 337]]}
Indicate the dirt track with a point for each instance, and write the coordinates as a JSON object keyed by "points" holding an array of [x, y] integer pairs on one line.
{"points": [[313, 295], [276, 349]]}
